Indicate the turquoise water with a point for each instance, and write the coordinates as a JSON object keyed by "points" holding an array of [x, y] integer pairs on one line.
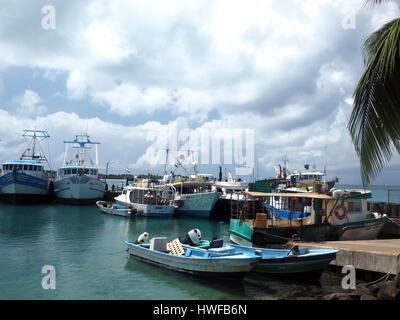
{"points": [[379, 193], [88, 253]]}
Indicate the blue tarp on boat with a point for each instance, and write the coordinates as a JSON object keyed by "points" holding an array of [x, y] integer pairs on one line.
{"points": [[119, 207], [284, 214]]}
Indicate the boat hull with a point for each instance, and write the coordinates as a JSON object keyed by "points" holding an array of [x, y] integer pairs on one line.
{"points": [[368, 232], [198, 204], [21, 188], [306, 265], [223, 268], [243, 233], [79, 190], [112, 210], [147, 210], [283, 262]]}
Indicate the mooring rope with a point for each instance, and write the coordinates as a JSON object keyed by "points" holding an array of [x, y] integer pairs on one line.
{"points": [[392, 220], [387, 275]]}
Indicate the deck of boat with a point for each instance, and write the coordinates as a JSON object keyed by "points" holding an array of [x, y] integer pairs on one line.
{"points": [[279, 223], [371, 255]]}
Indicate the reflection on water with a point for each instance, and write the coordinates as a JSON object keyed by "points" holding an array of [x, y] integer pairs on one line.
{"points": [[87, 249]]}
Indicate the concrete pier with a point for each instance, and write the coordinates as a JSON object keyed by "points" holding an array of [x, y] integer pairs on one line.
{"points": [[381, 256]]}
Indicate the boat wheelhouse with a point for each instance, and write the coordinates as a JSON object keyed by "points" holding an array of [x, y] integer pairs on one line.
{"points": [[26, 180], [230, 191], [148, 202], [78, 180]]}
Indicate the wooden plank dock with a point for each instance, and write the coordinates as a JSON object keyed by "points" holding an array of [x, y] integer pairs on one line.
{"points": [[381, 256]]}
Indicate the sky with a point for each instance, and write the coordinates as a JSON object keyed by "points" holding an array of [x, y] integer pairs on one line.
{"points": [[240, 84]]}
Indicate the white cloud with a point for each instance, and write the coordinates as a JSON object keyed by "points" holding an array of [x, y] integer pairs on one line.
{"points": [[28, 104]]}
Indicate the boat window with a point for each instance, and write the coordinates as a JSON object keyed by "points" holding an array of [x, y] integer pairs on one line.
{"points": [[30, 167], [73, 171], [39, 168], [25, 167], [10, 167], [4, 167], [86, 171], [95, 171], [354, 206], [20, 167]]}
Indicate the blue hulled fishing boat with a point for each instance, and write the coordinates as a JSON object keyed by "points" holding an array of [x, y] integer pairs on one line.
{"points": [[78, 180], [284, 262], [26, 180]]}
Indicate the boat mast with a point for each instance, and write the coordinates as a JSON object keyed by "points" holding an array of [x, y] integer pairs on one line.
{"points": [[82, 140], [33, 137], [285, 160], [326, 159]]}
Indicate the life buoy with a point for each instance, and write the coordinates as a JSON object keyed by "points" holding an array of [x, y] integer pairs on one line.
{"points": [[339, 208]]}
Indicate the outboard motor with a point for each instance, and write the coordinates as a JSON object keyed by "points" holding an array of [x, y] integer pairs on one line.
{"points": [[192, 238], [142, 238]]}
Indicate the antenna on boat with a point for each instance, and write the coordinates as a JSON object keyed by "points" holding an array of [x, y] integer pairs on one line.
{"points": [[326, 159], [166, 160], [36, 137], [285, 161]]}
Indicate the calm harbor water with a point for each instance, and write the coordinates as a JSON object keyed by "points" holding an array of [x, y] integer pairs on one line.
{"points": [[87, 249], [378, 193]]}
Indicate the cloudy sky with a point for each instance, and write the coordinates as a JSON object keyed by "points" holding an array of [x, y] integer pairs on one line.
{"points": [[130, 73]]}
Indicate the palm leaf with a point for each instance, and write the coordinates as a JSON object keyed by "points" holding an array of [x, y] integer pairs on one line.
{"points": [[374, 124]]}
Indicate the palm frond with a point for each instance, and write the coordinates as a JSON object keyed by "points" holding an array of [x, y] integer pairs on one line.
{"points": [[374, 124]]}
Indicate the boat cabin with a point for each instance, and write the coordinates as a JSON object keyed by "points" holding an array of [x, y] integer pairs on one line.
{"points": [[77, 170], [147, 196], [305, 177], [341, 207], [32, 167]]}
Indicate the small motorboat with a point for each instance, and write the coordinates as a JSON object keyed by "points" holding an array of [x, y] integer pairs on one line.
{"points": [[286, 262], [114, 209], [193, 260]]}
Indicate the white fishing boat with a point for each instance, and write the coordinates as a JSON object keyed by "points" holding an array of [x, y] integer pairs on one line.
{"points": [[230, 191], [78, 180], [148, 202], [26, 180], [115, 209]]}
